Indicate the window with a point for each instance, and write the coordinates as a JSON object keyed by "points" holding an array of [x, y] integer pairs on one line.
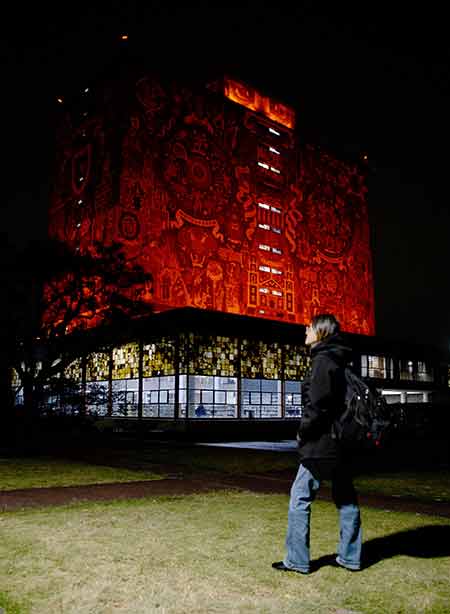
{"points": [[260, 398], [416, 370], [158, 397], [125, 361], [124, 395], [97, 398], [293, 399], [208, 397], [424, 372], [378, 367], [407, 371], [17, 388], [97, 367]]}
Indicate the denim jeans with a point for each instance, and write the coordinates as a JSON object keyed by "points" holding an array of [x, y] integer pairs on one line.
{"points": [[303, 493]]}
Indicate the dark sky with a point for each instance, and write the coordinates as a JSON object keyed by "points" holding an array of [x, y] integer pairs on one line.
{"points": [[364, 77]]}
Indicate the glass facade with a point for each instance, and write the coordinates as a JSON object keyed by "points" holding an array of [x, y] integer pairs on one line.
{"points": [[194, 376], [201, 376], [74, 371], [296, 362], [17, 388], [158, 397], [416, 371], [159, 358], [293, 399], [261, 398], [424, 372], [97, 400], [377, 367], [208, 396]]}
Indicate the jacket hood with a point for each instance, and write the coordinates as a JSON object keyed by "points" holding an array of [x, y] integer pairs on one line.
{"points": [[335, 348]]}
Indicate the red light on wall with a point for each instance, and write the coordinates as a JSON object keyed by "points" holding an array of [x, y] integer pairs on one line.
{"points": [[248, 97], [221, 217]]}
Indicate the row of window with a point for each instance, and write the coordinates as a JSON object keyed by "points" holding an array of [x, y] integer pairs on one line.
{"points": [[198, 396], [384, 367]]}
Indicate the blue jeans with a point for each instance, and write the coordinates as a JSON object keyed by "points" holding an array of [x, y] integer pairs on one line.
{"points": [[303, 493]]}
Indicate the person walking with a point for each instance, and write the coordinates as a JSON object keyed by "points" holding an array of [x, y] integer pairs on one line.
{"points": [[321, 456]]}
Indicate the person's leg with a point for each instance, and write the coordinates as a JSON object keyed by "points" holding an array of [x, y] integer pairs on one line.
{"points": [[350, 536], [303, 493]]}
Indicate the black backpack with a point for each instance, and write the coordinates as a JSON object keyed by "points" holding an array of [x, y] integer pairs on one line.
{"points": [[367, 422]]}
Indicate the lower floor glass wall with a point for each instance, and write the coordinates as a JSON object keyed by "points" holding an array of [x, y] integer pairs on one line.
{"points": [[158, 397], [197, 376]]}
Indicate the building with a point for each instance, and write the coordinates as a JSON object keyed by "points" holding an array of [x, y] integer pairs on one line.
{"points": [[247, 232], [211, 191]]}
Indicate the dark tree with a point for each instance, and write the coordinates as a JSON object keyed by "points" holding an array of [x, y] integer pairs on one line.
{"points": [[55, 298]]}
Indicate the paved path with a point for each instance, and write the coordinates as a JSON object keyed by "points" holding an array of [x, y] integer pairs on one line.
{"points": [[200, 483]]}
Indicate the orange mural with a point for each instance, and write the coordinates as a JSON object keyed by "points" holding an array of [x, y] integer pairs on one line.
{"points": [[219, 203]]}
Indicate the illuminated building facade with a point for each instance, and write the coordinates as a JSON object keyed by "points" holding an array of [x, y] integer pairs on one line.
{"points": [[247, 233], [209, 189]]}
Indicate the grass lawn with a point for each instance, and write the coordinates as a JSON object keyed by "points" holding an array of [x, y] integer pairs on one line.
{"points": [[212, 553], [125, 465], [423, 485], [43, 472]]}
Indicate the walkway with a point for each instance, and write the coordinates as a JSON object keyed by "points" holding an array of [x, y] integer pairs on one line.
{"points": [[206, 482]]}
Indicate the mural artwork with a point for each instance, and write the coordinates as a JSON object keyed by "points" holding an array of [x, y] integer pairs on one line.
{"points": [[210, 193]]}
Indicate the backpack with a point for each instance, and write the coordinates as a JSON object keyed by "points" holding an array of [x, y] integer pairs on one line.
{"points": [[367, 421]]}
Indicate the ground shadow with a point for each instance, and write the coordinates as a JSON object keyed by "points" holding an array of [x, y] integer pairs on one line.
{"points": [[427, 542]]}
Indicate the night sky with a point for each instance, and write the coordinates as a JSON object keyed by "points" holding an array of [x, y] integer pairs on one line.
{"points": [[367, 78]]}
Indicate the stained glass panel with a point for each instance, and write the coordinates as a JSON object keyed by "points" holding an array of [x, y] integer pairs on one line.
{"points": [[211, 355], [260, 359], [296, 362], [74, 371], [97, 367], [125, 361], [159, 358]]}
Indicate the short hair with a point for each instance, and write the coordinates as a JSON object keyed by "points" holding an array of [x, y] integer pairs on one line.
{"points": [[325, 325]]}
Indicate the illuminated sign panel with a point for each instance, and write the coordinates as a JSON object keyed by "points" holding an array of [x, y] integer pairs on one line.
{"points": [[218, 203]]}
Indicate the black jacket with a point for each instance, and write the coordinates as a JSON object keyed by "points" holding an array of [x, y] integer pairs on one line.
{"points": [[323, 395]]}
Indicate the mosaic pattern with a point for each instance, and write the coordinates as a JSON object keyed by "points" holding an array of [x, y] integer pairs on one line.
{"points": [[219, 203], [74, 371], [213, 355], [97, 367], [125, 362], [261, 360], [296, 362], [159, 358]]}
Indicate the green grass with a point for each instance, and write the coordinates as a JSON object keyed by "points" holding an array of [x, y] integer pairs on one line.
{"points": [[16, 473], [187, 460], [426, 485], [211, 554], [8, 606], [228, 460], [115, 465]]}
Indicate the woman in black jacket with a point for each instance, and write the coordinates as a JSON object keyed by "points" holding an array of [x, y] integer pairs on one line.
{"points": [[320, 453]]}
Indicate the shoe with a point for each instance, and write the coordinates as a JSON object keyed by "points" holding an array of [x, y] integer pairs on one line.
{"points": [[336, 563], [282, 567]]}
